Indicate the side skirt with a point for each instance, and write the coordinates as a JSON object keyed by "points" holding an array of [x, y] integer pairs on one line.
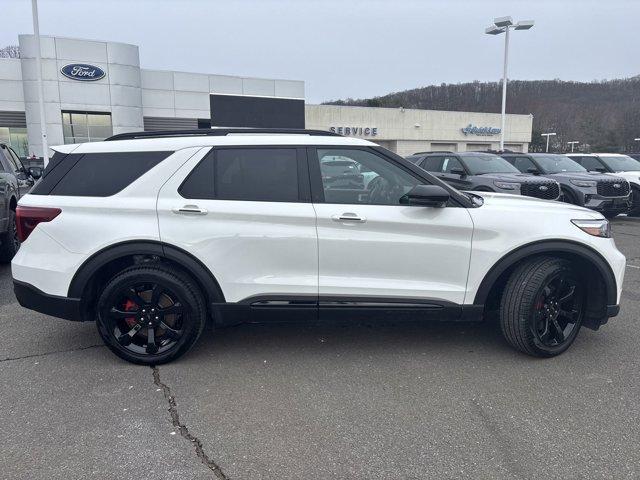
{"points": [[284, 308]]}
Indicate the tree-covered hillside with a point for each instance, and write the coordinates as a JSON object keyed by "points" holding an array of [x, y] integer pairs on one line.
{"points": [[603, 116]]}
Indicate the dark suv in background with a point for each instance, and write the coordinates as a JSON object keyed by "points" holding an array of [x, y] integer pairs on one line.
{"points": [[624, 166], [15, 181], [606, 194], [484, 172]]}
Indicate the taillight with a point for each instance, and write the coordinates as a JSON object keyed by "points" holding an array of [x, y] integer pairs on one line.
{"points": [[28, 217]]}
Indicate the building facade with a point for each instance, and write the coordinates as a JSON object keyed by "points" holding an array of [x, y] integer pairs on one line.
{"points": [[407, 131], [95, 89]]}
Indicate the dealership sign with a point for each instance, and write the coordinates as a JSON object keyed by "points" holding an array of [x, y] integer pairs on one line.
{"points": [[366, 131], [82, 72], [482, 131]]}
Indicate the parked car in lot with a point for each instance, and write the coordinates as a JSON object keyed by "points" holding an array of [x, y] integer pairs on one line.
{"points": [[603, 193], [484, 172], [617, 165], [15, 181], [153, 234]]}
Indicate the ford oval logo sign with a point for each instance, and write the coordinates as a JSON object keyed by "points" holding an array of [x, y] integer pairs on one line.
{"points": [[82, 72]]}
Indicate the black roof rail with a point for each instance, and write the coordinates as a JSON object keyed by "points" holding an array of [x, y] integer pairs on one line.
{"points": [[217, 132]]}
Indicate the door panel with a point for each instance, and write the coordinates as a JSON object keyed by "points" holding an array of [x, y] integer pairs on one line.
{"points": [[253, 248], [388, 250], [407, 251]]}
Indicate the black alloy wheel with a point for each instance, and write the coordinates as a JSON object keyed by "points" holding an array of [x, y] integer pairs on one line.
{"points": [[150, 315], [558, 310], [542, 306]]}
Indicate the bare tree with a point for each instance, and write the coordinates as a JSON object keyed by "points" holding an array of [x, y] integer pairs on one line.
{"points": [[10, 51]]}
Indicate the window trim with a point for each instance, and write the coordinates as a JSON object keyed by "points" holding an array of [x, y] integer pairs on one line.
{"points": [[425, 178], [304, 188]]}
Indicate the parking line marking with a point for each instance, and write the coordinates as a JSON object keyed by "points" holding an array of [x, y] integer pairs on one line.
{"points": [[632, 266]]}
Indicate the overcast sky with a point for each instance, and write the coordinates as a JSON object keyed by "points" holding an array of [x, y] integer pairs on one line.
{"points": [[353, 48]]}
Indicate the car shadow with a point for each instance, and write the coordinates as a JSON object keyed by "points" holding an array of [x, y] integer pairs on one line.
{"points": [[447, 339]]}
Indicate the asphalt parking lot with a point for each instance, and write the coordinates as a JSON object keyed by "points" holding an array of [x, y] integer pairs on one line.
{"points": [[356, 401]]}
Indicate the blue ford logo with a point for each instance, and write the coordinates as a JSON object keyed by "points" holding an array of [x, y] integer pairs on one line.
{"points": [[82, 72]]}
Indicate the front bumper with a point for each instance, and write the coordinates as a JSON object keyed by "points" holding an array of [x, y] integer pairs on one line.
{"points": [[607, 204], [35, 299]]}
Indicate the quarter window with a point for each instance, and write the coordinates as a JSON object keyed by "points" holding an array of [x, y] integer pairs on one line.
{"points": [[352, 176], [96, 174]]}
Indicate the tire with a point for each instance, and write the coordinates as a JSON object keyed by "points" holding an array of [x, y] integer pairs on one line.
{"points": [[10, 243], [569, 197], [634, 211], [152, 295], [532, 306]]}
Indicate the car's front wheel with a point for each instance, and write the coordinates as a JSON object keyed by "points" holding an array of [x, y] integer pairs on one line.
{"points": [[542, 306], [634, 211], [150, 314]]}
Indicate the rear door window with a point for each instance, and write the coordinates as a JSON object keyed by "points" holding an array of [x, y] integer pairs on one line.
{"points": [[249, 174], [432, 164]]}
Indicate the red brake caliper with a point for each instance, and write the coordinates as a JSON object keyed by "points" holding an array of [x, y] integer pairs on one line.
{"points": [[130, 306]]}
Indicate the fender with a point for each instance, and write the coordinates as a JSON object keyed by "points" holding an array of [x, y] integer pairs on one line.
{"points": [[146, 247], [549, 246]]}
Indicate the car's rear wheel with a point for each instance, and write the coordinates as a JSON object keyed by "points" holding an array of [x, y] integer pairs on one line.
{"points": [[542, 306], [150, 314], [10, 243]]}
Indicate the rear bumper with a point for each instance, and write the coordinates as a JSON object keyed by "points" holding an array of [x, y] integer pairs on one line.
{"points": [[34, 299]]}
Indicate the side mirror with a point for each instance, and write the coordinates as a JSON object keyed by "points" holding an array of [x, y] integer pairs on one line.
{"points": [[427, 196], [35, 172], [533, 171], [459, 171]]}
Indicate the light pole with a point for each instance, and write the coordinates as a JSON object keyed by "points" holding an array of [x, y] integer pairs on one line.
{"points": [[572, 144], [548, 135], [503, 25], [43, 125]]}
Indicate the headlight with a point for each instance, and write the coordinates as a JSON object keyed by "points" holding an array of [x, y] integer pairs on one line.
{"points": [[506, 185], [584, 183], [597, 228]]}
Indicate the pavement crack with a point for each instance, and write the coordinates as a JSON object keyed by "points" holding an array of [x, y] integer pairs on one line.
{"points": [[36, 355], [182, 428]]}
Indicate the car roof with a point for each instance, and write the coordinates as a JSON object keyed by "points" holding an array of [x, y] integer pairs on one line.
{"points": [[174, 143]]}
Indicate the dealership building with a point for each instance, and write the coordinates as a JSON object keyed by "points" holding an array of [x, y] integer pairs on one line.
{"points": [[95, 89]]}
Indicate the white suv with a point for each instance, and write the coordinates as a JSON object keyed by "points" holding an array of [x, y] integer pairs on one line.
{"points": [[153, 234]]}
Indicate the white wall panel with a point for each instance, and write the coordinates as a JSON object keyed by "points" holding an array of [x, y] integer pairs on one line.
{"points": [[190, 82], [81, 50]]}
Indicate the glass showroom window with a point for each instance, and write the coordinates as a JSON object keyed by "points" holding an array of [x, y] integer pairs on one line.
{"points": [[81, 127], [16, 138]]}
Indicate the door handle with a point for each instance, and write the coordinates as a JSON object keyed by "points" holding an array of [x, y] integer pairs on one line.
{"points": [[191, 209], [348, 217]]}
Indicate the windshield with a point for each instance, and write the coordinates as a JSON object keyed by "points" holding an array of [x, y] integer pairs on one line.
{"points": [[480, 164], [620, 163], [558, 164]]}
